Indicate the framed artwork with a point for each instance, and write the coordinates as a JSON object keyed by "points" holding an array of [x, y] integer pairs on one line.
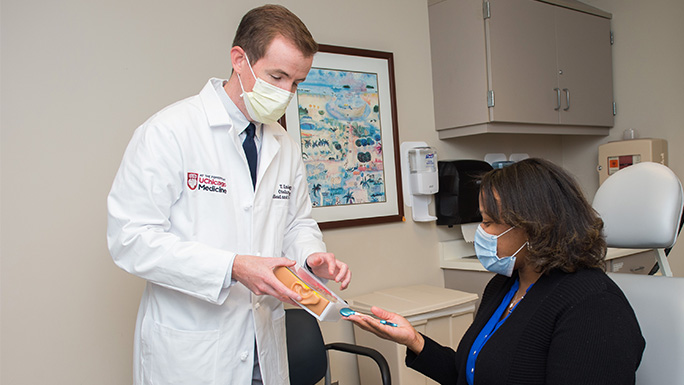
{"points": [[344, 117]]}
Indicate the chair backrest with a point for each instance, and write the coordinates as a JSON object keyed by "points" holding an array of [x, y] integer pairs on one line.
{"points": [[306, 353], [641, 206], [659, 307]]}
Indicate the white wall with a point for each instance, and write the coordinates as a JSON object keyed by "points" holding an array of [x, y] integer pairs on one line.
{"points": [[77, 77]]}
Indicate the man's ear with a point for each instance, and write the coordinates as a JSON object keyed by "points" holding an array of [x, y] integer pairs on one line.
{"points": [[238, 59]]}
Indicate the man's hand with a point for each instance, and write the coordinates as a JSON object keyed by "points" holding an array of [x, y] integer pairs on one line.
{"points": [[256, 273], [325, 265]]}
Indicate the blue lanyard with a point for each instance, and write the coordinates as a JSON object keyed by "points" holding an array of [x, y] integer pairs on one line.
{"points": [[488, 330]]}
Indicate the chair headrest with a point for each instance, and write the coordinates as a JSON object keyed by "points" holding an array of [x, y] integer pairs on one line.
{"points": [[641, 206]]}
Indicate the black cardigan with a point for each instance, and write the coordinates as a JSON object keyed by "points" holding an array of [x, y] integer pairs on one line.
{"points": [[573, 328]]}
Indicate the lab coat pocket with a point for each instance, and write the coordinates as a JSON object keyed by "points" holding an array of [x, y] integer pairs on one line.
{"points": [[182, 357]]}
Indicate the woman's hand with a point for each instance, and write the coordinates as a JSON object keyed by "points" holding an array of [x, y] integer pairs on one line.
{"points": [[403, 333]]}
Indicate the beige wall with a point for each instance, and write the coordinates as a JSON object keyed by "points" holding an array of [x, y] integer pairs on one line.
{"points": [[648, 56], [77, 77]]}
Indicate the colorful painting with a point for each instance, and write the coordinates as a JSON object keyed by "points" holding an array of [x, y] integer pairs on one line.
{"points": [[344, 117], [341, 137]]}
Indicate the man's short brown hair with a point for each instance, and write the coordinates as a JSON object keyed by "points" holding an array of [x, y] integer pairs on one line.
{"points": [[261, 25]]}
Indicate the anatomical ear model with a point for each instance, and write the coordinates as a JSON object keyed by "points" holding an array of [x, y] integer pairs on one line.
{"points": [[310, 298]]}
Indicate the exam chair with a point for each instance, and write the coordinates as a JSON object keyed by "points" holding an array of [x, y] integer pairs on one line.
{"points": [[659, 306], [641, 206], [308, 354]]}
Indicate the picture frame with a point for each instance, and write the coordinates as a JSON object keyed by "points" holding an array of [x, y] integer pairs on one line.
{"points": [[344, 118]]}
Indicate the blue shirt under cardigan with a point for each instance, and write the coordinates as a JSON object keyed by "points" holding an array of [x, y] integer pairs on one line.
{"points": [[492, 326]]}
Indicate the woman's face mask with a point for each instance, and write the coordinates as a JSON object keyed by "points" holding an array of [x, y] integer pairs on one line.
{"points": [[486, 250], [266, 103]]}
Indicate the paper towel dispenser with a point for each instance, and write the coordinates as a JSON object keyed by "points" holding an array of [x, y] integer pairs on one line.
{"points": [[459, 187]]}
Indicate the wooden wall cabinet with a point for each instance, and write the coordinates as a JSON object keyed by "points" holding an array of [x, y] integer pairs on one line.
{"points": [[521, 66]]}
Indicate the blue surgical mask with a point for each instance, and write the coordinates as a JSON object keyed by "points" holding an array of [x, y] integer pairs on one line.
{"points": [[486, 251]]}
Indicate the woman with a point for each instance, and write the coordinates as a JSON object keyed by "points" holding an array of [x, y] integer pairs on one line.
{"points": [[550, 315]]}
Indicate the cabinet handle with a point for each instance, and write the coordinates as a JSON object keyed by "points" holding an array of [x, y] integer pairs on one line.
{"points": [[558, 106], [567, 99]]}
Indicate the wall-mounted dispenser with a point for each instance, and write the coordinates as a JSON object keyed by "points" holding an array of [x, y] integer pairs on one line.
{"points": [[458, 199], [420, 178], [614, 156]]}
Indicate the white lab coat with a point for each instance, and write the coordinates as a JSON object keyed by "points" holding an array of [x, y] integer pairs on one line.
{"points": [[180, 208]]}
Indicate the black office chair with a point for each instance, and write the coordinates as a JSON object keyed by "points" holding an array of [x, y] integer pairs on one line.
{"points": [[307, 353]]}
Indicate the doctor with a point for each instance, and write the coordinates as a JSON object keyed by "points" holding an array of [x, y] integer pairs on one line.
{"points": [[210, 197]]}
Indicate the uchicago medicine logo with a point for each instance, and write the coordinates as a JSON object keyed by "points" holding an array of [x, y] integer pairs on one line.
{"points": [[192, 180], [205, 182]]}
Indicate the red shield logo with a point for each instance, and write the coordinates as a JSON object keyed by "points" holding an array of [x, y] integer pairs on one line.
{"points": [[192, 180]]}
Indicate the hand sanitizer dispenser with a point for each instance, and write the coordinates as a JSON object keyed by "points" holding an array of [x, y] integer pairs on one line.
{"points": [[420, 176], [423, 170]]}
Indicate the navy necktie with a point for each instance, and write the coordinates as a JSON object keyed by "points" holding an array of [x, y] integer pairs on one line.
{"points": [[251, 152]]}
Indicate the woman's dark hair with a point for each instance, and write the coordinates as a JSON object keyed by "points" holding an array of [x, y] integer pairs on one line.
{"points": [[564, 231]]}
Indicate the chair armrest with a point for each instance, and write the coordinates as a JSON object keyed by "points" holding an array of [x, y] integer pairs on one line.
{"points": [[368, 352]]}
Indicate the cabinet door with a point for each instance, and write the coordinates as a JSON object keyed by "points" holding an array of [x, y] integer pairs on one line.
{"points": [[522, 63], [585, 68], [459, 63]]}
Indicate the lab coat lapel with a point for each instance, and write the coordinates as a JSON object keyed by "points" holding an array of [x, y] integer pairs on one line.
{"points": [[272, 134], [217, 116]]}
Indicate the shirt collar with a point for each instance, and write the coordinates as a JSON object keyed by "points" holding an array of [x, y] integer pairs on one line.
{"points": [[240, 122]]}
